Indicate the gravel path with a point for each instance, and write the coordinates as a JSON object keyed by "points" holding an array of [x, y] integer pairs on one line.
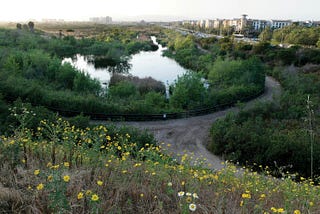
{"points": [[191, 135]]}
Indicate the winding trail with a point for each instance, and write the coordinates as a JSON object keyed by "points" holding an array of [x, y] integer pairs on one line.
{"points": [[191, 135]]}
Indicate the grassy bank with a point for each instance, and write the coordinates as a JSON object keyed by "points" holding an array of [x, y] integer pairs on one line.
{"points": [[62, 169]]}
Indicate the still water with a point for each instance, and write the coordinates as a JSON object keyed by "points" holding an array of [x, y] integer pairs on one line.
{"points": [[144, 64]]}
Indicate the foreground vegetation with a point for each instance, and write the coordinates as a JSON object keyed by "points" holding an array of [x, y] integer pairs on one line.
{"points": [[61, 168]]}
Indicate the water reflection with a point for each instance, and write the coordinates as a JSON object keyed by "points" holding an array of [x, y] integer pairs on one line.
{"points": [[144, 64]]}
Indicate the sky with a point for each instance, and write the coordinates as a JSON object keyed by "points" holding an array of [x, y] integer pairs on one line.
{"points": [[157, 10]]}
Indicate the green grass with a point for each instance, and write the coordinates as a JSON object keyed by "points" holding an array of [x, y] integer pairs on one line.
{"points": [[61, 169]]}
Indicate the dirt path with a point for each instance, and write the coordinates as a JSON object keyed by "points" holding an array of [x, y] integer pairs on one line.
{"points": [[191, 135]]}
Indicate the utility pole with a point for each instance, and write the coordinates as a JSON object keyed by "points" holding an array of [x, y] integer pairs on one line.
{"points": [[311, 132]]}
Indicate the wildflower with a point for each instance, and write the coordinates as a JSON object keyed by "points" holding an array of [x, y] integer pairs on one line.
{"points": [[311, 203], [36, 172], [99, 183], [50, 177], [40, 186], [55, 166], [66, 164], [188, 199], [80, 195], [241, 203], [192, 207], [88, 192], [66, 178], [246, 195], [296, 212], [94, 197], [262, 196], [195, 195], [275, 210], [141, 195], [188, 194], [169, 184], [183, 183], [181, 193]]}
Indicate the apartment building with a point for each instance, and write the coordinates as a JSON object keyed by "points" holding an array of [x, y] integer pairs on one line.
{"points": [[101, 20], [240, 24], [258, 24], [276, 24]]}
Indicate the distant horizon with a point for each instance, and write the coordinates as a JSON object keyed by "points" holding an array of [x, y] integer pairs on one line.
{"points": [[158, 10], [147, 18]]}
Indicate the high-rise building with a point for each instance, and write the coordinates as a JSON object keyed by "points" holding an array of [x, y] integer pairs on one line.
{"points": [[101, 20]]}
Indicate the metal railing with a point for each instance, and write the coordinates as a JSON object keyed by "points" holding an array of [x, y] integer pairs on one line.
{"points": [[149, 117]]}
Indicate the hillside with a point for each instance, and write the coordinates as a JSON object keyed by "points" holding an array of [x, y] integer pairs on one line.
{"points": [[60, 168]]}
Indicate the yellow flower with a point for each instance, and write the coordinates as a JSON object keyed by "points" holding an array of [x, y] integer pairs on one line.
{"points": [[188, 199], [80, 195], [36, 172], [192, 207], [262, 196], [66, 178], [141, 195], [275, 210], [40, 186], [50, 177], [311, 203], [66, 164], [296, 212], [99, 183], [94, 197], [241, 203], [246, 195]]}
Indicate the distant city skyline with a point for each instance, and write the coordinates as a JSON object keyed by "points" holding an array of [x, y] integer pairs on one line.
{"points": [[157, 10]]}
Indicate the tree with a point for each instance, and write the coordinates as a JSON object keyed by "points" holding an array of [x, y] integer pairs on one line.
{"points": [[19, 26], [31, 26], [266, 34], [188, 92]]}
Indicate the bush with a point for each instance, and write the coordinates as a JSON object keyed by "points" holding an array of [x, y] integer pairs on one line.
{"points": [[188, 91]]}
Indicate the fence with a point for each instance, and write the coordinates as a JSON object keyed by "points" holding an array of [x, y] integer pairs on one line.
{"points": [[149, 117]]}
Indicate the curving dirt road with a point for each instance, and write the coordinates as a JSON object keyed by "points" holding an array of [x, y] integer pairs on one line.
{"points": [[191, 135]]}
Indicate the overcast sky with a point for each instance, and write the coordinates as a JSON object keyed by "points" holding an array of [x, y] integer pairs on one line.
{"points": [[15, 10]]}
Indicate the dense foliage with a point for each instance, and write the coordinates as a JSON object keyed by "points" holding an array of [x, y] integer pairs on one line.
{"points": [[297, 35], [276, 135]]}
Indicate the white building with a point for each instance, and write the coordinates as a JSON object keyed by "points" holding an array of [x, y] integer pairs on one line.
{"points": [[101, 20], [280, 23], [209, 24], [258, 24]]}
